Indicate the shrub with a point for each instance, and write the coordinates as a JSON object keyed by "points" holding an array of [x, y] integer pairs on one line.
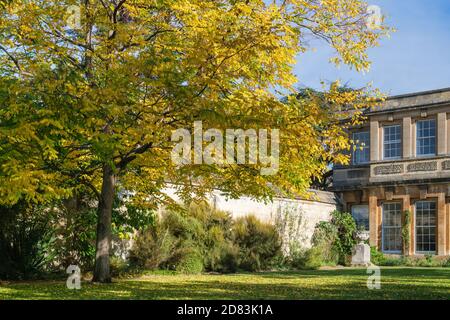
{"points": [[334, 240], [206, 239], [429, 261], [229, 260], [118, 266], [74, 225], [446, 263], [377, 257], [381, 259], [309, 259], [346, 234], [259, 244], [40, 239], [324, 237], [152, 248], [188, 260], [25, 242], [219, 251], [291, 224], [184, 241], [183, 227], [407, 261], [393, 262], [221, 255]]}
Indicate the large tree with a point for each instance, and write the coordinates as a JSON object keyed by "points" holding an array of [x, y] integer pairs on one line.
{"points": [[91, 91]]}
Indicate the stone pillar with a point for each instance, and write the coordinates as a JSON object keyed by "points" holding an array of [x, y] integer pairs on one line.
{"points": [[412, 249], [448, 135], [373, 219], [441, 133], [406, 205], [407, 138], [448, 228], [374, 141], [441, 225]]}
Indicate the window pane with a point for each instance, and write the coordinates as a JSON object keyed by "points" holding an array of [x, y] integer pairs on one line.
{"points": [[426, 137], [392, 143], [425, 226], [392, 222], [361, 153], [361, 215]]}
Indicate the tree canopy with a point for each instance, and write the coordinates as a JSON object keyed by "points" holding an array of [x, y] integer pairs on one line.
{"points": [[94, 103]]}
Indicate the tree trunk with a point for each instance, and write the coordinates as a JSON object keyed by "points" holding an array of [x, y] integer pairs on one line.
{"points": [[103, 245]]}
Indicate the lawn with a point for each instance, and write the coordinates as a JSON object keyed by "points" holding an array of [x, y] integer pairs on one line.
{"points": [[396, 283]]}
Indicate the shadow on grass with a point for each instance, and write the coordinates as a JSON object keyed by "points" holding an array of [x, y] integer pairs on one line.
{"points": [[397, 283]]}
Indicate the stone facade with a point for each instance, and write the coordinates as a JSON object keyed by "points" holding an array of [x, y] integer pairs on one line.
{"points": [[408, 170]]}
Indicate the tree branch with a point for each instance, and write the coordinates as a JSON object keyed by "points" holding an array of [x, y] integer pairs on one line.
{"points": [[132, 155], [14, 60]]}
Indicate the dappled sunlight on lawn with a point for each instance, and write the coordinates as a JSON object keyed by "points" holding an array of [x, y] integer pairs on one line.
{"points": [[397, 283]]}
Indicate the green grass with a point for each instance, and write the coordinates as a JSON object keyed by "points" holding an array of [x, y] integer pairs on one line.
{"points": [[396, 283]]}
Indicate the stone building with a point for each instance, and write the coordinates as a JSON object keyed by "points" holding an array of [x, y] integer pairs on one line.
{"points": [[402, 163]]}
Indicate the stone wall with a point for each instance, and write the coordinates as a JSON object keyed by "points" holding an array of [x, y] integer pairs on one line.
{"points": [[295, 218]]}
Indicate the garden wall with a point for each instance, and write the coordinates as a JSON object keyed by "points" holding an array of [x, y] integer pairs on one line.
{"points": [[296, 218]]}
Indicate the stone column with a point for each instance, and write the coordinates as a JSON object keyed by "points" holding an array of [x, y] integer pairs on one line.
{"points": [[406, 205], [448, 228], [373, 219], [374, 141], [441, 133], [412, 249], [441, 225], [448, 135], [407, 141]]}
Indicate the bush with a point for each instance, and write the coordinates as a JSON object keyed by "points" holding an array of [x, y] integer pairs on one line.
{"points": [[39, 239], [74, 224], [377, 257], [309, 259], [393, 262], [221, 254], [188, 260], [189, 242], [380, 259], [446, 263], [430, 261], [183, 227], [346, 235], [334, 240], [205, 239], [324, 237], [118, 266], [152, 248], [229, 260], [25, 242], [259, 244]]}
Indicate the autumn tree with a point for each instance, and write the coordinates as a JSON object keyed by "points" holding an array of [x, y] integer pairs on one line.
{"points": [[91, 91]]}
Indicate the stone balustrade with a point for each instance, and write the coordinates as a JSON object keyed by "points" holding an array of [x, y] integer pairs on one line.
{"points": [[406, 170], [417, 170]]}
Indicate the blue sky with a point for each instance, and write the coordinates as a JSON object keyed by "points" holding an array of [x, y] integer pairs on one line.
{"points": [[415, 58]]}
